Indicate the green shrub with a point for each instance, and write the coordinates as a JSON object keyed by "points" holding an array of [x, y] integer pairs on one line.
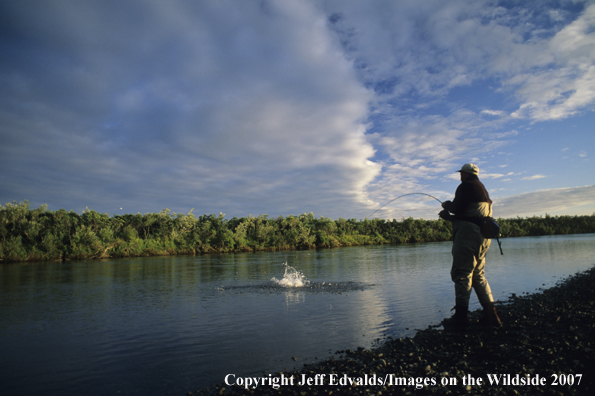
{"points": [[38, 234]]}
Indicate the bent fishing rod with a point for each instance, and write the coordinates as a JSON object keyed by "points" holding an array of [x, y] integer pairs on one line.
{"points": [[404, 195], [493, 222]]}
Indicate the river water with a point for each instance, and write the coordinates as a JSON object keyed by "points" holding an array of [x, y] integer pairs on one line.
{"points": [[170, 325]]}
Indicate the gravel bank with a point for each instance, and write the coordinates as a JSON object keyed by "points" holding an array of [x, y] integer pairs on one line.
{"points": [[546, 337]]}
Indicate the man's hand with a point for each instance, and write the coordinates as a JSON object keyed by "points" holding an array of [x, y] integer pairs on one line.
{"points": [[445, 214], [447, 205]]}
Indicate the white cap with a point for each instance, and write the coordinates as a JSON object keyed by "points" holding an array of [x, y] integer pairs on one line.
{"points": [[470, 168]]}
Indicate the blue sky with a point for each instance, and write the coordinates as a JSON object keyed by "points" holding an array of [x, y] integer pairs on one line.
{"points": [[288, 107]]}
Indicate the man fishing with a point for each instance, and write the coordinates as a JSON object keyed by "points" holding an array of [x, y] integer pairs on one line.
{"points": [[471, 201]]}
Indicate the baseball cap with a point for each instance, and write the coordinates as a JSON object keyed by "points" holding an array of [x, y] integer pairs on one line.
{"points": [[470, 168]]}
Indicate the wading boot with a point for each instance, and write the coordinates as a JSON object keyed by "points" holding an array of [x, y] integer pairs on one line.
{"points": [[490, 316], [459, 320]]}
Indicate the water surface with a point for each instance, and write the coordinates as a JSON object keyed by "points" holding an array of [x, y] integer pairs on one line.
{"points": [[169, 325]]}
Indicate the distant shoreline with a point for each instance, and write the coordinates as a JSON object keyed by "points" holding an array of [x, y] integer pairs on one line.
{"points": [[32, 235], [546, 342]]}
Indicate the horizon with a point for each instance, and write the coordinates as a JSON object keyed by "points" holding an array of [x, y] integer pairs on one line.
{"points": [[225, 217]]}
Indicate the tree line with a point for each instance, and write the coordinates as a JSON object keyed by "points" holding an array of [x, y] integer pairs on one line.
{"points": [[39, 235]]}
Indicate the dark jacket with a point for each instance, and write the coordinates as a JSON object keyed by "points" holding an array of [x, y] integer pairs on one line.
{"points": [[471, 199]]}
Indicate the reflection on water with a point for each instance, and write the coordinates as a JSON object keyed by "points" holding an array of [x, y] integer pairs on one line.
{"points": [[169, 325], [293, 297]]}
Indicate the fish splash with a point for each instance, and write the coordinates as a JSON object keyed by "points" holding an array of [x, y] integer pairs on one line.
{"points": [[291, 278]]}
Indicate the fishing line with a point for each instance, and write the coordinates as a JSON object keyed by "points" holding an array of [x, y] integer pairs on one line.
{"points": [[404, 195]]}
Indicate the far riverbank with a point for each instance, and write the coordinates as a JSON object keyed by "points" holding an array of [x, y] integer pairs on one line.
{"points": [[546, 346], [40, 235]]}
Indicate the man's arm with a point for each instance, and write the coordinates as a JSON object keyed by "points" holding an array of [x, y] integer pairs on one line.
{"points": [[461, 201]]}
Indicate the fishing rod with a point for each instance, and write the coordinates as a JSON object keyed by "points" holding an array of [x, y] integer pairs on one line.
{"points": [[404, 195], [495, 228]]}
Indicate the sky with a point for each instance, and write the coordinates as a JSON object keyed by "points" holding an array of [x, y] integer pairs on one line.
{"points": [[285, 107]]}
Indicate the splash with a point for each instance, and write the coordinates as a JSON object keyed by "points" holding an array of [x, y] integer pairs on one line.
{"points": [[291, 278]]}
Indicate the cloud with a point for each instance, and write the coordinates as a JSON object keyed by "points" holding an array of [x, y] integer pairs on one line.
{"points": [[505, 134], [574, 200], [492, 175], [566, 84], [277, 107], [401, 47], [225, 104], [544, 201], [498, 113], [534, 177], [414, 58]]}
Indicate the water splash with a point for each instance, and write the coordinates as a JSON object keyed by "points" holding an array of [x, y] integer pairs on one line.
{"points": [[291, 278]]}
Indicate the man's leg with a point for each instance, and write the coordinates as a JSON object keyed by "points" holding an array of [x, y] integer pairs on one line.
{"points": [[464, 251], [480, 283], [467, 242], [483, 290]]}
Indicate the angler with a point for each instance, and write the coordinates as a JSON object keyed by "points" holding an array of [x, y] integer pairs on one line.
{"points": [[472, 202]]}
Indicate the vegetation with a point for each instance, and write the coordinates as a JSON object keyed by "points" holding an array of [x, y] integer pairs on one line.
{"points": [[38, 234]]}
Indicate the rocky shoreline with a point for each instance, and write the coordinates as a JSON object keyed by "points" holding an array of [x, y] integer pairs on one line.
{"points": [[545, 346]]}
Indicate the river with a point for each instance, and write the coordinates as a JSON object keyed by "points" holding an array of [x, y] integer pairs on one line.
{"points": [[170, 325]]}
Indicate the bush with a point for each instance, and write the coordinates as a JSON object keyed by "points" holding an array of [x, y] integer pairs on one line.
{"points": [[38, 234]]}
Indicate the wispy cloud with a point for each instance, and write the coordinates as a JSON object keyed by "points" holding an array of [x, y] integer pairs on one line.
{"points": [[391, 58], [538, 203], [534, 177], [565, 84], [498, 113]]}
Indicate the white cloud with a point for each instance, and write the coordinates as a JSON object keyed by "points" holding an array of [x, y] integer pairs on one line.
{"points": [[492, 175], [534, 177], [566, 84], [498, 113], [505, 134], [537, 203]]}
